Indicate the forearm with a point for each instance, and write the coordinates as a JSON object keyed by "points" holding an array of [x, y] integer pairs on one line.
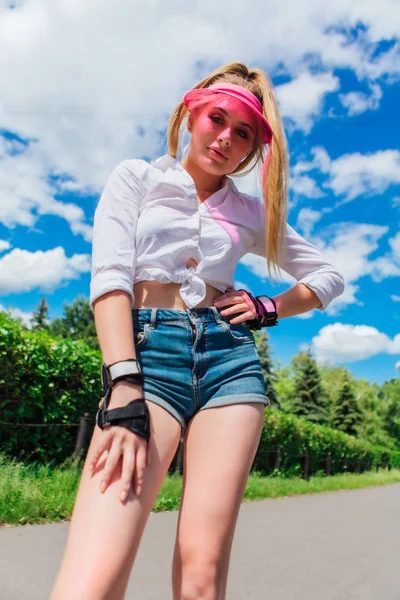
{"points": [[113, 320], [299, 299]]}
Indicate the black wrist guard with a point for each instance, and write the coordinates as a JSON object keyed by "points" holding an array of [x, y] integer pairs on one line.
{"points": [[134, 416], [128, 369], [264, 318]]}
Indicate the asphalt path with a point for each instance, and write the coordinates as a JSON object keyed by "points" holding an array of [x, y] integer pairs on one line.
{"points": [[331, 546]]}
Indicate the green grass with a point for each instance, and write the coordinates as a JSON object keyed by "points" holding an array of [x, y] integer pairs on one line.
{"points": [[43, 494]]}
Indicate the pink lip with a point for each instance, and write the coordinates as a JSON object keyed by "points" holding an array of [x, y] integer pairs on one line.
{"points": [[217, 152]]}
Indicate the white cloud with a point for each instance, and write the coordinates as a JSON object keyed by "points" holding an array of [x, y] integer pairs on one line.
{"points": [[349, 343], [107, 96], [304, 185], [26, 194], [301, 99], [16, 313], [4, 245], [320, 161], [348, 246], [23, 271], [358, 102], [306, 220], [350, 251], [358, 174], [398, 365], [395, 246], [395, 345], [83, 107], [351, 248], [351, 175], [395, 298], [348, 297]]}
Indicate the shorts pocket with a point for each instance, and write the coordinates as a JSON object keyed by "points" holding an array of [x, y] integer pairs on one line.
{"points": [[141, 333], [238, 332]]}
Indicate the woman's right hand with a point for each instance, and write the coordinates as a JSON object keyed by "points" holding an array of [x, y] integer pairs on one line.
{"points": [[122, 444]]}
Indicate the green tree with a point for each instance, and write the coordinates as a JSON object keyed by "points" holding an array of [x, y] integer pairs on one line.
{"points": [[346, 414], [310, 400], [268, 370], [285, 387], [39, 319], [77, 323], [389, 395]]}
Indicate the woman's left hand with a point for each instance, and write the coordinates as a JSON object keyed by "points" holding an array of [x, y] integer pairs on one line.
{"points": [[239, 303]]}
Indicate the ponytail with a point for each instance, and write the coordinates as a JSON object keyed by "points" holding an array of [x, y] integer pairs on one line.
{"points": [[274, 170]]}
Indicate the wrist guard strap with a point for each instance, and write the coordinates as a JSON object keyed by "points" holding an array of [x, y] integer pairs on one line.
{"points": [[264, 318], [135, 416]]}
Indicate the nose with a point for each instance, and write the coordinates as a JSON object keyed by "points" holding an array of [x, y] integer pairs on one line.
{"points": [[225, 137]]}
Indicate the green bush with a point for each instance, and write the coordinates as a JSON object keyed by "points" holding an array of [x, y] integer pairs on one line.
{"points": [[45, 381], [294, 436], [49, 381]]}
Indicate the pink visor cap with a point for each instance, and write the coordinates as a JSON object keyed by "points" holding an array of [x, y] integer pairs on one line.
{"points": [[235, 91]]}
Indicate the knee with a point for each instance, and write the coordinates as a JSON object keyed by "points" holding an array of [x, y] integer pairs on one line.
{"points": [[200, 582]]}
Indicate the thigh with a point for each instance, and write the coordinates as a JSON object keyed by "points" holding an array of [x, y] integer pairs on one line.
{"points": [[220, 447], [104, 533]]}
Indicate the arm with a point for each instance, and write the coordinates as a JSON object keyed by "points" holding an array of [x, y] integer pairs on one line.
{"points": [[114, 229], [297, 300], [307, 264], [318, 282], [113, 271], [111, 299], [116, 341]]}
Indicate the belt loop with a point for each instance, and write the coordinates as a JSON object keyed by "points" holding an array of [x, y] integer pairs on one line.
{"points": [[153, 318], [217, 316]]}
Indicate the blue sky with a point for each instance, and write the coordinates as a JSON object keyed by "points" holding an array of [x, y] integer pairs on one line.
{"points": [[70, 113]]}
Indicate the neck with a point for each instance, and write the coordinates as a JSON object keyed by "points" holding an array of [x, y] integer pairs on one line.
{"points": [[206, 183]]}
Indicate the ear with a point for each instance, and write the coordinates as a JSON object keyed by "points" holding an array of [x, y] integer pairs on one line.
{"points": [[189, 125]]}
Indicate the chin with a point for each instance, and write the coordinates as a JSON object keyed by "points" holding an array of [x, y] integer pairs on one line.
{"points": [[209, 165]]}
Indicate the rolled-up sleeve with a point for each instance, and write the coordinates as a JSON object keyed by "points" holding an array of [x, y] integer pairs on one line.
{"points": [[114, 229], [303, 261], [306, 263]]}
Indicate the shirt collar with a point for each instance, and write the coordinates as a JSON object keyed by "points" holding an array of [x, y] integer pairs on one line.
{"points": [[167, 161]]}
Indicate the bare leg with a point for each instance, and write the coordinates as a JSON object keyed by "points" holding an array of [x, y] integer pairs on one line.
{"points": [[104, 533], [221, 444]]}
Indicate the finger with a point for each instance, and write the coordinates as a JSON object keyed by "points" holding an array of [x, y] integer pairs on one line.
{"points": [[248, 316], [128, 468], [104, 445], [148, 452], [233, 298], [111, 463], [232, 310], [140, 469]]}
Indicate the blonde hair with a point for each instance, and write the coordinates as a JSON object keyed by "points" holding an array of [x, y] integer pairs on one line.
{"points": [[274, 173]]}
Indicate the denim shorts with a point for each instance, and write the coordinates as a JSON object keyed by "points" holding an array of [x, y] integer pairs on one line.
{"points": [[195, 359]]}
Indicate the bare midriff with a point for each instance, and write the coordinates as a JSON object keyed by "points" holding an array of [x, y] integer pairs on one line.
{"points": [[152, 294]]}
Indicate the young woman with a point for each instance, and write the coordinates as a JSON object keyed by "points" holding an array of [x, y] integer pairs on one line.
{"points": [[177, 339]]}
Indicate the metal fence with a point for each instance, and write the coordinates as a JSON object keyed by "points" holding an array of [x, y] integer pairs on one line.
{"points": [[305, 465]]}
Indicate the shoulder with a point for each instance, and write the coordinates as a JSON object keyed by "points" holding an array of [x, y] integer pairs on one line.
{"points": [[134, 167], [253, 204]]}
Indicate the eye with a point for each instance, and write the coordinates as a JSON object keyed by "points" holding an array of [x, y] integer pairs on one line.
{"points": [[216, 119], [243, 134]]}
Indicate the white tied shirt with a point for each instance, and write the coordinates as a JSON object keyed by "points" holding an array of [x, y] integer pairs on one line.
{"points": [[148, 224]]}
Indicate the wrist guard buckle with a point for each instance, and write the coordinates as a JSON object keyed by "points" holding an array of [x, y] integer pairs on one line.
{"points": [[135, 416]]}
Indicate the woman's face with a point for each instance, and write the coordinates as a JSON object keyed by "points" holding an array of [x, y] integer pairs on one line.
{"points": [[222, 135]]}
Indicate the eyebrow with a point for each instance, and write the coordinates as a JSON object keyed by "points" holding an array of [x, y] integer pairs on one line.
{"points": [[240, 122]]}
